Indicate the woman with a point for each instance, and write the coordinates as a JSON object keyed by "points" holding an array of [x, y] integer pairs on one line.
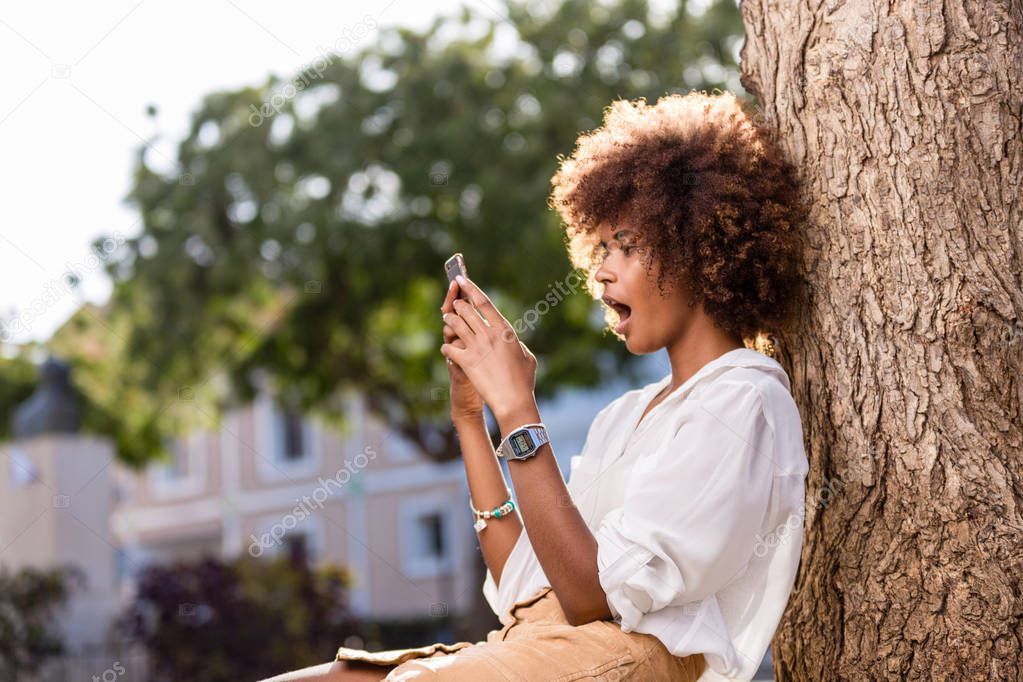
{"points": [[671, 552]]}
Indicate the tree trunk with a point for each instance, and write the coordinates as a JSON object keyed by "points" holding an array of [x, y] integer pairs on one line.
{"points": [[904, 120]]}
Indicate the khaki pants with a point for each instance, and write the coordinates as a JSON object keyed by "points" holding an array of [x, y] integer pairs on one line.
{"points": [[540, 645]]}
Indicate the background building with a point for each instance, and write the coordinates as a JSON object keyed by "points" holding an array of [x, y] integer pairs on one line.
{"points": [[266, 480]]}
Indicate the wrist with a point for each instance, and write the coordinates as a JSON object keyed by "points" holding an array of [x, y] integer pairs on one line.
{"points": [[526, 413], [468, 419]]}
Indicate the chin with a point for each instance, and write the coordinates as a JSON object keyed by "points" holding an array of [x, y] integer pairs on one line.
{"points": [[639, 346], [635, 346], [638, 350]]}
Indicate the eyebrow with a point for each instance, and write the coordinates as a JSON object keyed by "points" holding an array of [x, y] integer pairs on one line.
{"points": [[618, 234]]}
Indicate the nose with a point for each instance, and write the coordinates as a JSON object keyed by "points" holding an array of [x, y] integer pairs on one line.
{"points": [[605, 274]]}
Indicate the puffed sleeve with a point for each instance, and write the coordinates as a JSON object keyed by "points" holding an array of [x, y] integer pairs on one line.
{"points": [[692, 508]]}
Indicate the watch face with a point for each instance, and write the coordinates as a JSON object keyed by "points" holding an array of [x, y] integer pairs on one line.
{"points": [[522, 443]]}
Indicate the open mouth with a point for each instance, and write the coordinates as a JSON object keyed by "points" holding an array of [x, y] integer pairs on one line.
{"points": [[623, 310]]}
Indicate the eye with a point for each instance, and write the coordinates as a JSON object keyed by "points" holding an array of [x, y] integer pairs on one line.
{"points": [[631, 247], [602, 251]]}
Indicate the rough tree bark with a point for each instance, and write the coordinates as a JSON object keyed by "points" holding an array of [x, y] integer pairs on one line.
{"points": [[904, 117]]}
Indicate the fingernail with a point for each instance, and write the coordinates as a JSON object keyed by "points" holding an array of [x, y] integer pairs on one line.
{"points": [[461, 280]]}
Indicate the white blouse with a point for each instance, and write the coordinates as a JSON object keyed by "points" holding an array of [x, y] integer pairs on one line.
{"points": [[697, 513]]}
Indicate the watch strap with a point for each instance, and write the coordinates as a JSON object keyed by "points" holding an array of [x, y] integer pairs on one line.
{"points": [[537, 436]]}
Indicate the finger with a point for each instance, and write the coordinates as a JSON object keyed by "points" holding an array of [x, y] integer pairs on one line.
{"points": [[459, 326], [452, 367], [455, 303], [482, 302], [451, 337], [470, 316], [451, 295], [456, 355]]}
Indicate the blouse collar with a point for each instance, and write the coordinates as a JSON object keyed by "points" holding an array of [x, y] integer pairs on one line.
{"points": [[737, 357]]}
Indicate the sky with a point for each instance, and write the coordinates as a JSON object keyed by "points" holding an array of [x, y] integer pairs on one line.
{"points": [[78, 78]]}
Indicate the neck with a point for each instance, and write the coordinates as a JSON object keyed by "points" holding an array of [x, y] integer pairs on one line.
{"points": [[698, 344]]}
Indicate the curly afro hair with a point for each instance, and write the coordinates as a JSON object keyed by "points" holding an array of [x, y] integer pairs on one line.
{"points": [[708, 192]]}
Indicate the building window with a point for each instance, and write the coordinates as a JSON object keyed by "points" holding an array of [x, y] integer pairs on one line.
{"points": [[296, 547], [178, 465], [21, 469], [426, 536], [182, 474], [293, 432], [175, 467], [286, 439], [432, 534], [306, 541]]}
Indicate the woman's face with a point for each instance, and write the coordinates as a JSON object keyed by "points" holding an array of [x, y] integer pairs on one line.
{"points": [[636, 311]]}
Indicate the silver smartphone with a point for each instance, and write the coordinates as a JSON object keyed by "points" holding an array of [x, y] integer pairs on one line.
{"points": [[455, 266]]}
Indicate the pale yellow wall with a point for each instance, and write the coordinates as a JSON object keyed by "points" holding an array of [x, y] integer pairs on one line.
{"points": [[393, 592], [206, 471], [63, 518]]}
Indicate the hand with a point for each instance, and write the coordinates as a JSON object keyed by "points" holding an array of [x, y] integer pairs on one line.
{"points": [[465, 399], [499, 366]]}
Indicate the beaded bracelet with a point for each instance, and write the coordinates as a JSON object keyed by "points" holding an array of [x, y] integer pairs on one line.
{"points": [[497, 512]]}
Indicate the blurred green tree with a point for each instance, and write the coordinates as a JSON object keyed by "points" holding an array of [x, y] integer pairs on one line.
{"points": [[19, 378], [303, 230], [245, 619], [29, 599]]}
